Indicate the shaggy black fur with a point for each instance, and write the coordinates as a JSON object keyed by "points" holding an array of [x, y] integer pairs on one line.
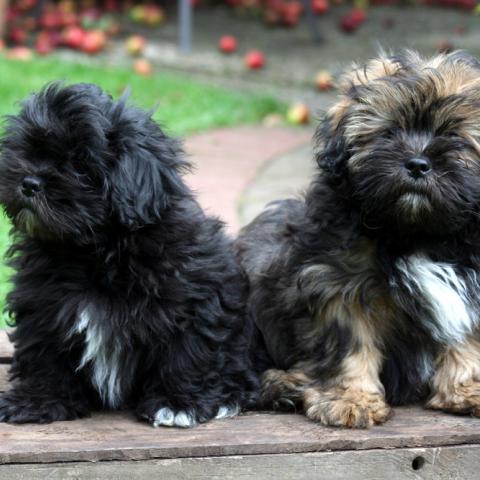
{"points": [[125, 293], [325, 272]]}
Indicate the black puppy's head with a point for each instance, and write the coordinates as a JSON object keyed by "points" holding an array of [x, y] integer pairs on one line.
{"points": [[403, 141], [76, 164]]}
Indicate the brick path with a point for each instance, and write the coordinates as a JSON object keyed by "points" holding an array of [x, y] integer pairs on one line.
{"points": [[228, 160]]}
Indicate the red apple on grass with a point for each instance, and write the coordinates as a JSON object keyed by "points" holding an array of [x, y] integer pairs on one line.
{"points": [[227, 44], [143, 67], [254, 60], [20, 53], [43, 45]]}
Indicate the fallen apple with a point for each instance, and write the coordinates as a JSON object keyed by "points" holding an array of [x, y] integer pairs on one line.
{"points": [[153, 16], [137, 13], [135, 44], [73, 37], [43, 46], [94, 41], [19, 53], [227, 44], [352, 20], [143, 67], [254, 60], [324, 80], [18, 35], [298, 114], [320, 7]]}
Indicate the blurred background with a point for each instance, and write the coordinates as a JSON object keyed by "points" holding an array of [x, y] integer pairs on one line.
{"points": [[243, 82]]}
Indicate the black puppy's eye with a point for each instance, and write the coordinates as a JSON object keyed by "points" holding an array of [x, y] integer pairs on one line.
{"points": [[392, 132]]}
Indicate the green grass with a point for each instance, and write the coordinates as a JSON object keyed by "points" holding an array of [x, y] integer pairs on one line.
{"points": [[183, 105]]}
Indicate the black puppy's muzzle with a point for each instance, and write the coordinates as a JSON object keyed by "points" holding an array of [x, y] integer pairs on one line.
{"points": [[31, 186], [418, 167]]}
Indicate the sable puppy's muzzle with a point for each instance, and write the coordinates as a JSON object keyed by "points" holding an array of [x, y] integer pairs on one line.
{"points": [[31, 186]]}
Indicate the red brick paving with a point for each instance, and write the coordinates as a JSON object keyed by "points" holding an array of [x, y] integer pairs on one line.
{"points": [[227, 160]]}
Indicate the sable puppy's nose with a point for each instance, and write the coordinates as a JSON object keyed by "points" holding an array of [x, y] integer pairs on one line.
{"points": [[418, 167], [31, 186]]}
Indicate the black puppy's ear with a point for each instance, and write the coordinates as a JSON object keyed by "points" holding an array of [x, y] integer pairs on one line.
{"points": [[147, 175], [332, 152]]}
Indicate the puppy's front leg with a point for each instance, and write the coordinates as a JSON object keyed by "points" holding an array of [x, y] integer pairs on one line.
{"points": [[344, 394], [355, 397], [45, 387], [350, 394], [187, 386], [456, 383]]}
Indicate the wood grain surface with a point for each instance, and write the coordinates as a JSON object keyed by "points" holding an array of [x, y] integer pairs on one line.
{"points": [[118, 436], [437, 463], [6, 348]]}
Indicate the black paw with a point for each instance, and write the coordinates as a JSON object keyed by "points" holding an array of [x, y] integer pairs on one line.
{"points": [[15, 409]]}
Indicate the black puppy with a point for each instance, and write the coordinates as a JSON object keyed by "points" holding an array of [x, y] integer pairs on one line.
{"points": [[125, 292]]}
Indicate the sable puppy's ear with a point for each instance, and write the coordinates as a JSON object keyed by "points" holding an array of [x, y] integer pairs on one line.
{"points": [[147, 174]]}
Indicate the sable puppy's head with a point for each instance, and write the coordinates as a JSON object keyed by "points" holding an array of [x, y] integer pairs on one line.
{"points": [[76, 165], [404, 141]]}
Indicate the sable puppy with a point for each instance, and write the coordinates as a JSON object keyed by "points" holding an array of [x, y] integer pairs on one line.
{"points": [[367, 290], [125, 293]]}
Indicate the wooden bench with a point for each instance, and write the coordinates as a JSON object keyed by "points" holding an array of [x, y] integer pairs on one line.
{"points": [[415, 443]]}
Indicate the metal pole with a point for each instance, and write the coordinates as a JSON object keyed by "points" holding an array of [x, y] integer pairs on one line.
{"points": [[312, 21], [185, 26]]}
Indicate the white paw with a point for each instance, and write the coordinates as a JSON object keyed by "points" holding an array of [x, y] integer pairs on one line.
{"points": [[227, 411], [166, 417]]}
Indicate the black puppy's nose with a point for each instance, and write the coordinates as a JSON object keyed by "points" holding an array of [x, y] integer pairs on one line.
{"points": [[418, 166], [31, 186]]}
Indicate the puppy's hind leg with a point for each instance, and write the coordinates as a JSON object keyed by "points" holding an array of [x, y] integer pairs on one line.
{"points": [[283, 389]]}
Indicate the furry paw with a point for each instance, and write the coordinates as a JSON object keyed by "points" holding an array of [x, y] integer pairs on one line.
{"points": [[227, 411], [282, 389], [14, 409], [166, 417], [458, 399], [346, 408]]}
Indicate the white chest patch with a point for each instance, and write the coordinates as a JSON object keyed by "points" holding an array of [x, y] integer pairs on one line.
{"points": [[444, 294], [104, 356]]}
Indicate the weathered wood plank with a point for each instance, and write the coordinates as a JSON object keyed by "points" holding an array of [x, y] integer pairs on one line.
{"points": [[119, 436], [6, 348], [404, 464], [3, 377]]}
